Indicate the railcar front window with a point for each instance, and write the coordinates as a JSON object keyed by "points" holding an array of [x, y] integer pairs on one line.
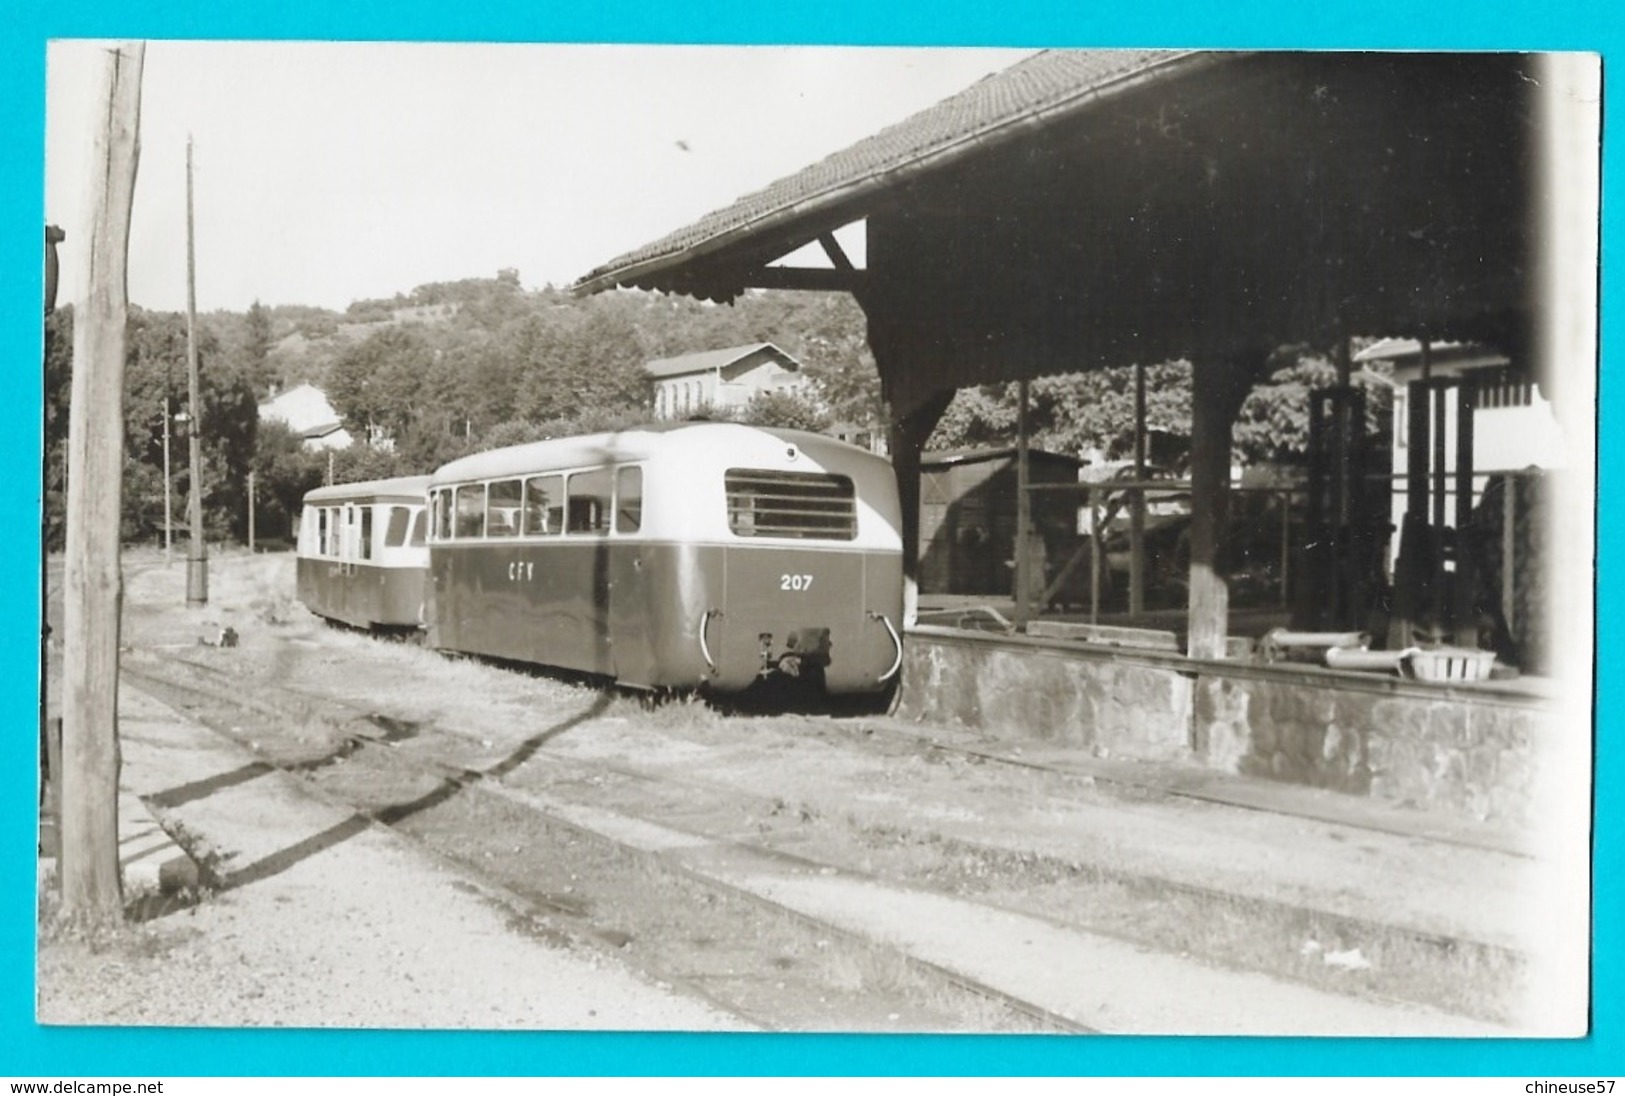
{"points": [[589, 494], [802, 505], [628, 499], [544, 505], [502, 502], [331, 515], [419, 525], [471, 510]]}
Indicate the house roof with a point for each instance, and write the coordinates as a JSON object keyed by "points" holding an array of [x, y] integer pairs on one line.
{"points": [[1039, 89], [1403, 351], [306, 410], [704, 361], [955, 457]]}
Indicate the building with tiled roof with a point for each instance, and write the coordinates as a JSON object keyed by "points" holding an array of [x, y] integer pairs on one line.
{"points": [[721, 380], [305, 410]]}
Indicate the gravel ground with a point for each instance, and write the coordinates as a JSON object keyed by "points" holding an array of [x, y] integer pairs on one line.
{"points": [[345, 927]]}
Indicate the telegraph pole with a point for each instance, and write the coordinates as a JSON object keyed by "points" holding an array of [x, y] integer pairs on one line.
{"points": [[92, 890], [167, 511], [197, 553]]}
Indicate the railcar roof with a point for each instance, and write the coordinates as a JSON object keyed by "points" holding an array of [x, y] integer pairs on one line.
{"points": [[639, 443], [405, 487]]}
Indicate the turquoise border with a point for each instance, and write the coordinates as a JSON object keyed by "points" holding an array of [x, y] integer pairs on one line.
{"points": [[1452, 24]]}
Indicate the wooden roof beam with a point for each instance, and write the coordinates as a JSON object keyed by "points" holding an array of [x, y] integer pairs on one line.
{"points": [[849, 280]]}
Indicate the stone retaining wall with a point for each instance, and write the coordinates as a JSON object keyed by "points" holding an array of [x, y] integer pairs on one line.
{"points": [[1463, 752]]}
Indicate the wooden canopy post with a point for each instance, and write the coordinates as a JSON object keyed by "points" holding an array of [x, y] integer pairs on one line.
{"points": [[1024, 510], [1136, 527], [1219, 387], [1464, 589], [92, 891], [908, 435]]}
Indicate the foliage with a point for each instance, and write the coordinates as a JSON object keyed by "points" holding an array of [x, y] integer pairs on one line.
{"points": [[1079, 412], [1274, 422], [788, 409]]}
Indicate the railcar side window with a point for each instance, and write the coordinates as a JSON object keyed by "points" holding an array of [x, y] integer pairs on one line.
{"points": [[330, 517], [804, 505], [544, 505], [589, 494], [502, 503], [628, 499], [365, 547], [442, 514], [395, 532], [471, 510], [419, 524]]}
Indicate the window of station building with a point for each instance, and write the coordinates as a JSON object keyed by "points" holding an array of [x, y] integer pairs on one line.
{"points": [[544, 506], [628, 499], [1504, 387], [470, 510], [589, 506], [803, 505], [503, 500], [364, 545]]}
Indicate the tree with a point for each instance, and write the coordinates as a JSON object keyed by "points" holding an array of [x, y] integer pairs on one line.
{"points": [[1274, 422], [284, 470], [155, 369], [257, 346], [790, 410]]}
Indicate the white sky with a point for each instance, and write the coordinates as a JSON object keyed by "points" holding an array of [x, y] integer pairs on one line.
{"points": [[330, 172]]}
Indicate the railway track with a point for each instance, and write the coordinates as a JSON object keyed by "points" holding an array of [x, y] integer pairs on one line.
{"points": [[362, 769], [425, 783]]}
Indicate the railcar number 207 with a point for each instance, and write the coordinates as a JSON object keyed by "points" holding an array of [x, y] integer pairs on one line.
{"points": [[795, 582]]}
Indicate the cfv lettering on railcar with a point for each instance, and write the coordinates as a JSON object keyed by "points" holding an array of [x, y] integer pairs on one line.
{"points": [[795, 582], [521, 569]]}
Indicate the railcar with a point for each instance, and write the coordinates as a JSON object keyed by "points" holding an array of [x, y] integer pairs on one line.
{"points": [[706, 555], [362, 551]]}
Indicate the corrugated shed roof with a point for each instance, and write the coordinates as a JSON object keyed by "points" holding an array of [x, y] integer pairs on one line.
{"points": [[703, 361], [1044, 85]]}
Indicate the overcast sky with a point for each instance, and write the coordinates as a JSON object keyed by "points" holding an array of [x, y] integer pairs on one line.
{"points": [[326, 173]]}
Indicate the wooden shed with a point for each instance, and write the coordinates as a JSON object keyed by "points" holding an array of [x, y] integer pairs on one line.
{"points": [[968, 518]]}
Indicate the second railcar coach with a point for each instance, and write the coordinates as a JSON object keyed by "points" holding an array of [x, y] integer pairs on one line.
{"points": [[362, 552], [700, 554]]}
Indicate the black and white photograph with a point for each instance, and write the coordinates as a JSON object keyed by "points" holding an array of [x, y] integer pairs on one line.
{"points": [[814, 539]]}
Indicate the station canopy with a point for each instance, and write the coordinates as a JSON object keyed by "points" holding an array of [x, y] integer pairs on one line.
{"points": [[1085, 209]]}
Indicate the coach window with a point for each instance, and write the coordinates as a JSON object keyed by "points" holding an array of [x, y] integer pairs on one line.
{"points": [[502, 501], [395, 532], [470, 510], [365, 548], [589, 501], [332, 539], [441, 501], [544, 505], [419, 523], [628, 499]]}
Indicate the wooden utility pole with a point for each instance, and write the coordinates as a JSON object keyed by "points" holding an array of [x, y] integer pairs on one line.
{"points": [[92, 890], [197, 552]]}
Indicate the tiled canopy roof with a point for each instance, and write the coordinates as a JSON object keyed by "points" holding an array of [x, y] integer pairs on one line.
{"points": [[1043, 86]]}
